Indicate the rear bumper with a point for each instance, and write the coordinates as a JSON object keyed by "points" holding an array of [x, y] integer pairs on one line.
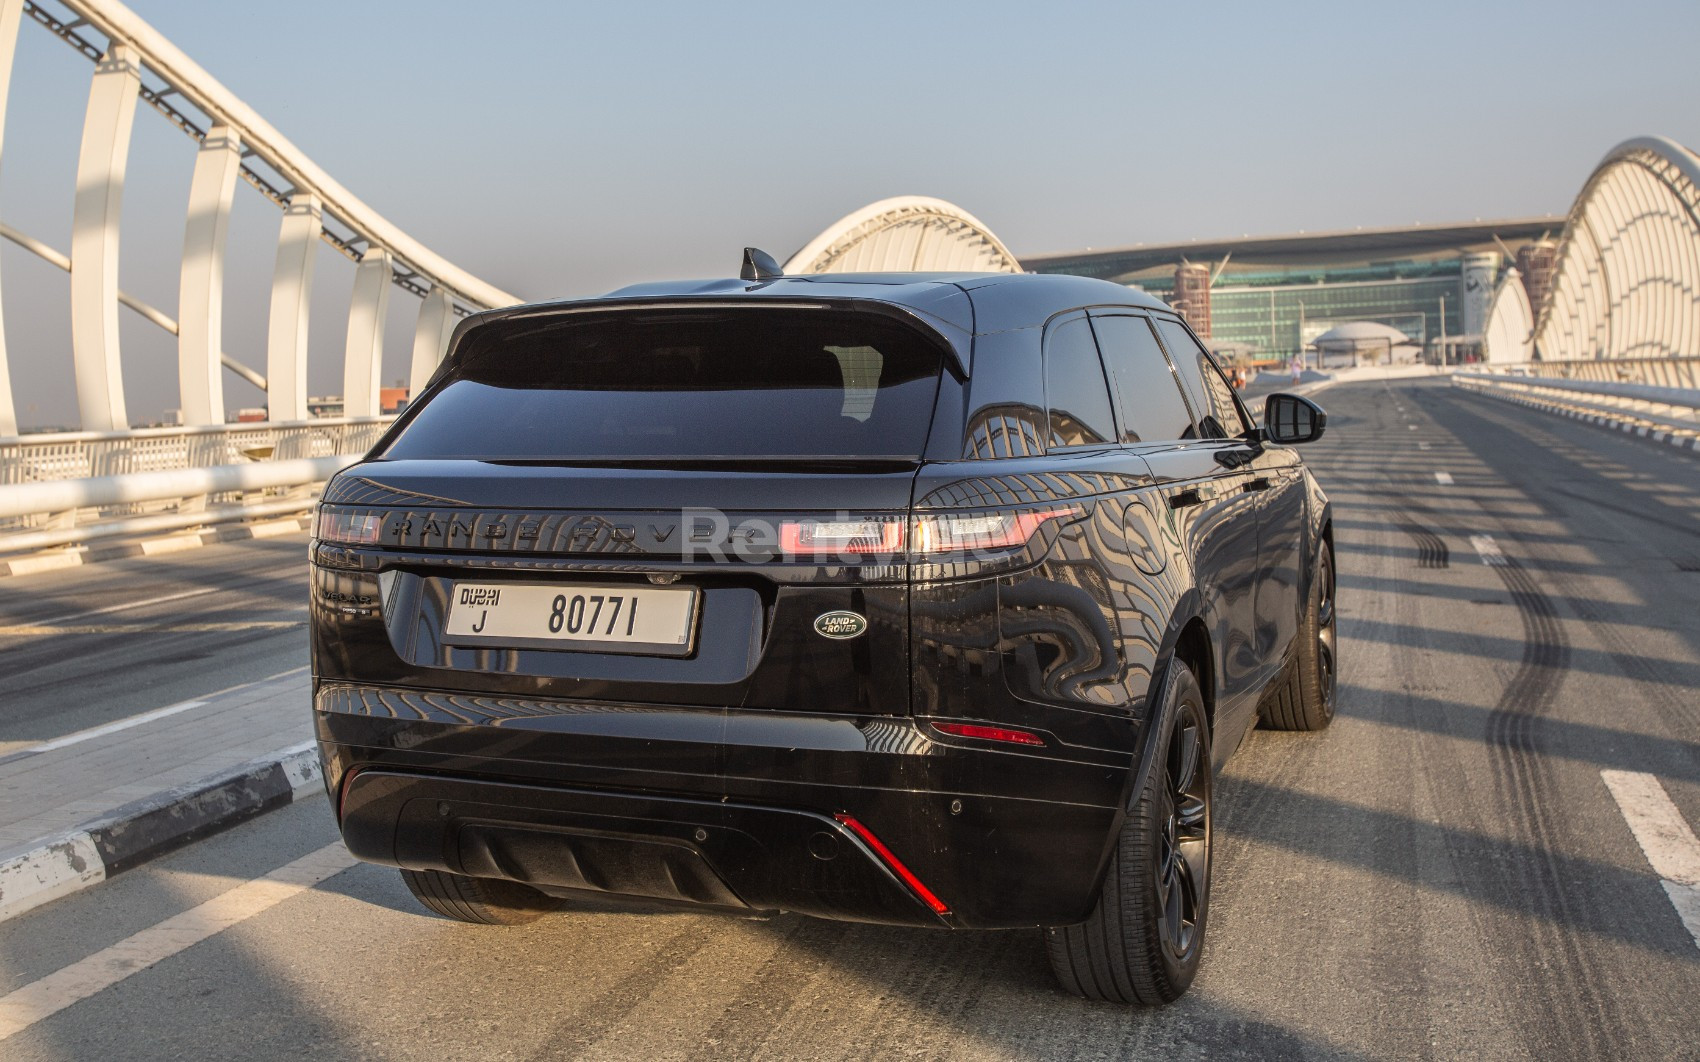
{"points": [[726, 808]]}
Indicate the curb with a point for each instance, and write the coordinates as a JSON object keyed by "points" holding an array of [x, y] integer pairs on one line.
{"points": [[149, 827], [152, 547], [1690, 443]]}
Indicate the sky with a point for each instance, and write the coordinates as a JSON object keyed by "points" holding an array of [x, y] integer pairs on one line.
{"points": [[565, 149]]}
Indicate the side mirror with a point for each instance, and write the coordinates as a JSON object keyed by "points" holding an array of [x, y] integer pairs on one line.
{"points": [[1290, 419]]}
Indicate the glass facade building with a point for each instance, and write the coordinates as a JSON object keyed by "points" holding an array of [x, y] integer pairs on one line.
{"points": [[1273, 313]]}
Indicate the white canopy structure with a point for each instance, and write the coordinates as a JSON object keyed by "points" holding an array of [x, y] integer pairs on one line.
{"points": [[1510, 322], [1628, 279], [1352, 342], [902, 234]]}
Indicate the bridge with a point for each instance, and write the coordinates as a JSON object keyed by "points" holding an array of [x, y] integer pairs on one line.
{"points": [[1490, 854]]}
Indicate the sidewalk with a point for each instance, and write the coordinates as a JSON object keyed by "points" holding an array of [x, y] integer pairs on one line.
{"points": [[77, 809]]}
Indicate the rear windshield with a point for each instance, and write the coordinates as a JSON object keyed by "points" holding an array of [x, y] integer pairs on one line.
{"points": [[684, 385]]}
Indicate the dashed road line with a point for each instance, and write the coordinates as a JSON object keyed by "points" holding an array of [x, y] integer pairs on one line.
{"points": [[51, 994], [126, 606], [112, 728], [1665, 838], [1491, 554], [34, 630], [1443, 478]]}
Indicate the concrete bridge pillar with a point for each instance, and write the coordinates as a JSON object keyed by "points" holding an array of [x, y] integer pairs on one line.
{"points": [[200, 293], [10, 12], [363, 358], [94, 240], [430, 338], [292, 289]]}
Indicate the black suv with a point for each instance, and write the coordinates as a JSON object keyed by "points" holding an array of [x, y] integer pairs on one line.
{"points": [[919, 599]]}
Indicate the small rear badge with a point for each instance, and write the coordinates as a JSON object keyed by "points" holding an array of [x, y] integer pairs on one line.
{"points": [[840, 624]]}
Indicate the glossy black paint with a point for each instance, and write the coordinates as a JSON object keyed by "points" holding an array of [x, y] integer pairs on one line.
{"points": [[577, 771]]}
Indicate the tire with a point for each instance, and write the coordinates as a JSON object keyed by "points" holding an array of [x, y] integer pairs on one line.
{"points": [[1303, 697], [1143, 940], [482, 901]]}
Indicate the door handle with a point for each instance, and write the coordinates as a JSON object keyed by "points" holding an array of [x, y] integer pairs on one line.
{"points": [[1191, 496], [1260, 483]]}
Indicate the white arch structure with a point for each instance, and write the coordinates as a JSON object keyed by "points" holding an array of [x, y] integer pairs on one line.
{"points": [[134, 63], [1628, 276], [902, 234], [1509, 336]]}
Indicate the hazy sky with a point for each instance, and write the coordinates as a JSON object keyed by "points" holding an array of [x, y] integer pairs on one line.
{"points": [[566, 149]]}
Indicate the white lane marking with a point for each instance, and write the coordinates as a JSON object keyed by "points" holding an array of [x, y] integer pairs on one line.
{"points": [[130, 605], [126, 606], [1659, 828], [1665, 838], [105, 968], [33, 630], [1443, 478], [1490, 552], [112, 728]]}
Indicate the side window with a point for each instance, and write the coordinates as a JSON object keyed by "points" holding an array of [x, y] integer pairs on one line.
{"points": [[1075, 391], [1152, 407], [1219, 416]]}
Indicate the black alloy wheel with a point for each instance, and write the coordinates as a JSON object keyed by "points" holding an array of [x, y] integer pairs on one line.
{"points": [[1144, 938], [1183, 872], [1302, 698]]}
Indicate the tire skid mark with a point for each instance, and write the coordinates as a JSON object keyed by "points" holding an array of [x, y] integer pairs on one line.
{"points": [[1656, 683], [1580, 1018], [1579, 1012], [1432, 551], [598, 1015], [771, 990]]}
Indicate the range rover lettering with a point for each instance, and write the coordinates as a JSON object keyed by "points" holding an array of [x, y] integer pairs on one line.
{"points": [[916, 599]]}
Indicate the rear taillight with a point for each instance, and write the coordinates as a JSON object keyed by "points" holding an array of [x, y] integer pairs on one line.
{"points": [[853, 536], [997, 530], [353, 529], [861, 536]]}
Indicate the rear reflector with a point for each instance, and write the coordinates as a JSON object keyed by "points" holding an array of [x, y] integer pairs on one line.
{"points": [[908, 876], [342, 792], [989, 733]]}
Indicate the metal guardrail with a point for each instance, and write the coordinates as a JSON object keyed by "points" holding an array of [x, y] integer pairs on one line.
{"points": [[63, 488], [78, 455], [1657, 372], [1668, 409]]}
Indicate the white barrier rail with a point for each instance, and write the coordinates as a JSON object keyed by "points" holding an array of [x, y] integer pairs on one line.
{"points": [[1667, 409], [1656, 372], [60, 489], [251, 490]]}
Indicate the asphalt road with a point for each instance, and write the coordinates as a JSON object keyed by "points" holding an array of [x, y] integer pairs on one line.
{"points": [[85, 646], [1442, 874]]}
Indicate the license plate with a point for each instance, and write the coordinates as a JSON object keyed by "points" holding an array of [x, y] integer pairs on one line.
{"points": [[611, 619]]}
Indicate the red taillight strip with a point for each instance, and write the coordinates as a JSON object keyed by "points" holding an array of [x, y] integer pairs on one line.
{"points": [[342, 793], [895, 864], [989, 733]]}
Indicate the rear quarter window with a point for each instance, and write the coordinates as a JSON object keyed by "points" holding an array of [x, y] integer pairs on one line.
{"points": [[1075, 391]]}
